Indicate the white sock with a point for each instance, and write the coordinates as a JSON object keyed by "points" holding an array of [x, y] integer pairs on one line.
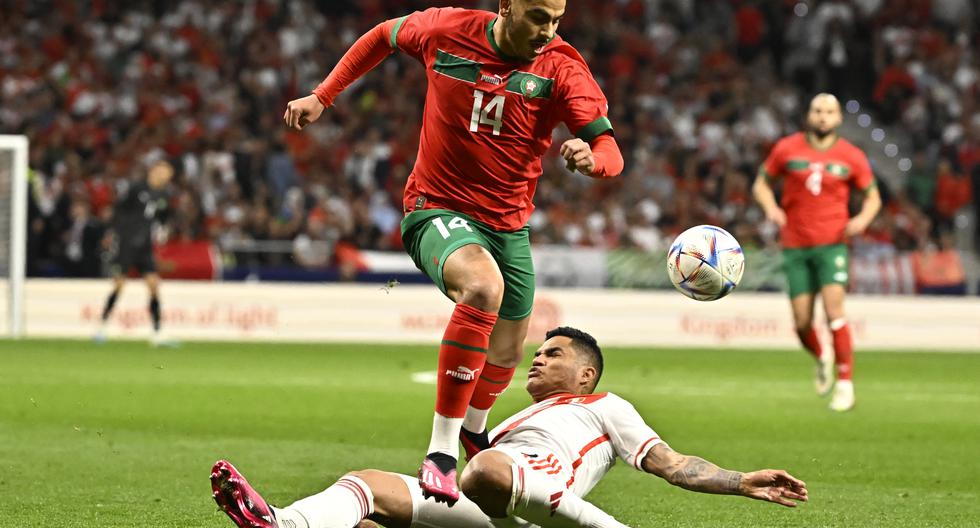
{"points": [[445, 435], [476, 419], [289, 518], [343, 505], [545, 502]]}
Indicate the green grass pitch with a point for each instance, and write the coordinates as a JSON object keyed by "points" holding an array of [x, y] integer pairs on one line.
{"points": [[124, 435]]}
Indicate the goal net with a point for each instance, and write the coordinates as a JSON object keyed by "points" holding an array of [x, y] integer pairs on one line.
{"points": [[13, 233]]}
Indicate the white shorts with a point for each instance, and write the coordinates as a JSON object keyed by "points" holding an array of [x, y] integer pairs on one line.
{"points": [[464, 514]]}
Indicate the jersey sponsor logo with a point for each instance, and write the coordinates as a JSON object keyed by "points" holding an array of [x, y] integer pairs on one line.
{"points": [[493, 79], [462, 373]]}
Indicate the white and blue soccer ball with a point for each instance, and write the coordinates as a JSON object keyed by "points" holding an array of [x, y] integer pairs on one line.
{"points": [[705, 263]]}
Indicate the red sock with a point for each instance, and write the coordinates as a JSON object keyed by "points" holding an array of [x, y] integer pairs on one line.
{"points": [[810, 341], [492, 383], [843, 348], [461, 357]]}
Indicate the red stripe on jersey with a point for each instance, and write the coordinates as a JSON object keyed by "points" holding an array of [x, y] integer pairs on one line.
{"points": [[555, 501], [560, 399], [581, 453], [636, 459], [520, 483]]}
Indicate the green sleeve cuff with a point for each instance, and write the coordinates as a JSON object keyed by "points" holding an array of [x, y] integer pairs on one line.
{"points": [[594, 129], [394, 32], [872, 185]]}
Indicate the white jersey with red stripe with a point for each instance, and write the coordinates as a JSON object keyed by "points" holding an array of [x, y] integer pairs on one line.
{"points": [[577, 438]]}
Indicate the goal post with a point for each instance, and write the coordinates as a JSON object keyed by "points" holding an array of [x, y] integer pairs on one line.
{"points": [[13, 236]]}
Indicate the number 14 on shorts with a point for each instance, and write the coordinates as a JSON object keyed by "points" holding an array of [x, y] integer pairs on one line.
{"points": [[455, 223]]}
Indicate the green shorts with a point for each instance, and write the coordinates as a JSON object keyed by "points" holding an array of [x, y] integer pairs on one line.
{"points": [[431, 235], [809, 269]]}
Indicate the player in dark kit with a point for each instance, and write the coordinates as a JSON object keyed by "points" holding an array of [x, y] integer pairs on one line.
{"points": [[132, 222], [498, 85]]}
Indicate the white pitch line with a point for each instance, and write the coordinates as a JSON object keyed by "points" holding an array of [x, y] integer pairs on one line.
{"points": [[427, 377]]}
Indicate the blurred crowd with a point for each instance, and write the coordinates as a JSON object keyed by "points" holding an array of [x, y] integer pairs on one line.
{"points": [[699, 91]]}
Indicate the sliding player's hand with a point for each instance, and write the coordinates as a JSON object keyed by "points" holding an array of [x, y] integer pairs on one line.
{"points": [[578, 156], [303, 111], [774, 485]]}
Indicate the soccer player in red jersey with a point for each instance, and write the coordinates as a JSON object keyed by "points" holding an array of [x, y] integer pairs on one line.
{"points": [[819, 169], [499, 84]]}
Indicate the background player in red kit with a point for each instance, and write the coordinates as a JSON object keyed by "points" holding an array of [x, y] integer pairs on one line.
{"points": [[819, 168], [498, 87]]}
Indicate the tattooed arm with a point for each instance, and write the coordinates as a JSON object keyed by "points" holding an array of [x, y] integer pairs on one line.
{"points": [[697, 474]]}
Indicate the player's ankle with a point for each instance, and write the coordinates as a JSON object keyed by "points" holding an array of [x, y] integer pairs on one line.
{"points": [[443, 461]]}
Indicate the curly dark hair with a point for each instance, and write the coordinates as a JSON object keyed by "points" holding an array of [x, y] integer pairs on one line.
{"points": [[584, 343]]}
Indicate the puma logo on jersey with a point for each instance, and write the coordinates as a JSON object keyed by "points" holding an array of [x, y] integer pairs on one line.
{"points": [[462, 373], [495, 80]]}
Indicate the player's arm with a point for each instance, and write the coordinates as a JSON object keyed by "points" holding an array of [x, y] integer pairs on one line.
{"points": [[697, 474], [864, 180], [869, 208], [369, 50], [600, 158], [766, 198]]}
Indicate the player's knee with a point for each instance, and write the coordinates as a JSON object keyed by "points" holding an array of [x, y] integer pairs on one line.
{"points": [[803, 326], [487, 479], [367, 475], [508, 355], [485, 293]]}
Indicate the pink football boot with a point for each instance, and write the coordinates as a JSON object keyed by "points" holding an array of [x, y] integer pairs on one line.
{"points": [[236, 497], [438, 484]]}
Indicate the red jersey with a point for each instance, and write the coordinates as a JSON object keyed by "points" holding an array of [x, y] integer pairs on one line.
{"points": [[488, 118], [817, 187]]}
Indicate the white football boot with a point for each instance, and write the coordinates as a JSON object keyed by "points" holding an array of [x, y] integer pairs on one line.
{"points": [[843, 399], [823, 374]]}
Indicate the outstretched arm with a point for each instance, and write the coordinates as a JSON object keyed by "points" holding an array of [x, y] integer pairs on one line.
{"points": [[369, 50], [697, 474]]}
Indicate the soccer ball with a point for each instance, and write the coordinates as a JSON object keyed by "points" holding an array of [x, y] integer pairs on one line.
{"points": [[705, 263]]}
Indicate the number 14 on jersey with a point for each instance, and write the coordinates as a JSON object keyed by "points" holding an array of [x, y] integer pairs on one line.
{"points": [[492, 114]]}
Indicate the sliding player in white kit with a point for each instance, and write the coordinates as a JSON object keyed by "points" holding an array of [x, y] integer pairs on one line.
{"points": [[542, 462]]}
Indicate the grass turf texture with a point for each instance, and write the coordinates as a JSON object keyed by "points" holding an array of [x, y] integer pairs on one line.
{"points": [[125, 435]]}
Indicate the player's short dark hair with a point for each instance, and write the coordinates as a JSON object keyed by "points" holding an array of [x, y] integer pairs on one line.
{"points": [[584, 344]]}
